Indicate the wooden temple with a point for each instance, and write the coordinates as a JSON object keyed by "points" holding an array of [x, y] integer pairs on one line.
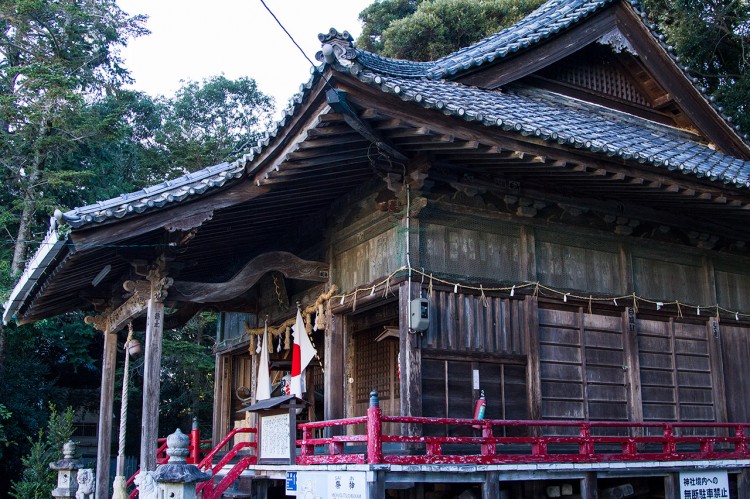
{"points": [[560, 204]]}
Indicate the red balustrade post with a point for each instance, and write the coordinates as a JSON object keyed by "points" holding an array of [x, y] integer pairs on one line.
{"points": [[374, 431], [307, 449], [670, 446], [586, 446], [195, 444], [740, 445], [488, 448]]}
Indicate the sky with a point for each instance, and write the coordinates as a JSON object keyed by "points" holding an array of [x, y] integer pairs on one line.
{"points": [[196, 39]]}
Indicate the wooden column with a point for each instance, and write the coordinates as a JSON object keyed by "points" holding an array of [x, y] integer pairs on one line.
{"points": [[104, 437], [376, 488], [672, 486], [333, 377], [743, 483], [491, 485], [589, 489], [633, 364], [109, 323], [152, 367], [533, 365], [527, 255], [410, 360]]}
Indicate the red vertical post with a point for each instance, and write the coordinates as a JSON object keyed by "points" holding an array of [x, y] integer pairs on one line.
{"points": [[374, 431], [195, 444], [307, 449], [670, 446], [740, 445], [586, 447], [488, 447]]}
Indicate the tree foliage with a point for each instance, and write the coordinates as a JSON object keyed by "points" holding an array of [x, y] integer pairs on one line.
{"points": [[434, 28], [712, 39], [54, 361], [377, 17], [210, 122], [53, 57], [38, 479]]}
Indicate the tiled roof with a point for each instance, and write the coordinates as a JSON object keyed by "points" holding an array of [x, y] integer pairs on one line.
{"points": [[555, 118], [156, 196], [549, 19], [551, 117]]}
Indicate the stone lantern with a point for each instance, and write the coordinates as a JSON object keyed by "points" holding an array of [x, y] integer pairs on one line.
{"points": [[176, 479], [67, 470]]}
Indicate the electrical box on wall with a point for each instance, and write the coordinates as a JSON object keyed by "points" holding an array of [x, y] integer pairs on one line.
{"points": [[420, 314]]}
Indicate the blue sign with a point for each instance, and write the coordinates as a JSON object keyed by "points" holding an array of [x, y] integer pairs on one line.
{"points": [[291, 483]]}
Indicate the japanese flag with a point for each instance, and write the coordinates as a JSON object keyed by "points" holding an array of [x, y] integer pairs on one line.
{"points": [[302, 354], [263, 387]]}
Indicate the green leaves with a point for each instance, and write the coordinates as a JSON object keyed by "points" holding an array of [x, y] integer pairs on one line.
{"points": [[38, 479], [713, 41], [55, 57], [430, 29], [213, 121]]}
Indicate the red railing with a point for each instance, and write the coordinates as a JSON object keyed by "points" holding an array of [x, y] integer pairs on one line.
{"points": [[193, 458], [532, 441], [214, 491]]}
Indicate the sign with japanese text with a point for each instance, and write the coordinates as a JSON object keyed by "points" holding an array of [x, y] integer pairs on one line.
{"points": [[291, 483], [347, 485], [328, 485], [709, 484], [274, 436]]}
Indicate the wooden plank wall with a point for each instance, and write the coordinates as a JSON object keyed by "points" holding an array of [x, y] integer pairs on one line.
{"points": [[671, 276], [565, 262], [359, 260], [736, 353], [733, 289], [464, 322], [675, 366], [490, 252], [581, 361]]}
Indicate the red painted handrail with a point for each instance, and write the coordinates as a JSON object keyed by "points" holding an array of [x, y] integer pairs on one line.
{"points": [[207, 488], [205, 464], [653, 441]]}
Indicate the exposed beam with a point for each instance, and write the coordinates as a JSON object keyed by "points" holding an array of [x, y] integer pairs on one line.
{"points": [[288, 264], [337, 100]]}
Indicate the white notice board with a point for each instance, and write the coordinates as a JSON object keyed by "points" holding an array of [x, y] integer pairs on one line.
{"points": [[274, 437], [712, 484], [329, 485]]}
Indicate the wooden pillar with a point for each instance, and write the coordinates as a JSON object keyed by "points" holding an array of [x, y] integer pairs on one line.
{"points": [[104, 437], [333, 377], [672, 486], [533, 364], [633, 365], [589, 488], [109, 323], [491, 485], [376, 488], [410, 360], [743, 483], [152, 367]]}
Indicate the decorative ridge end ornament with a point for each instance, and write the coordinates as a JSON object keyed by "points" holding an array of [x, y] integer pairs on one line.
{"points": [[617, 41], [336, 46]]}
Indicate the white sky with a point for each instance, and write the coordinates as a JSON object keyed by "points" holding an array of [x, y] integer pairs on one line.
{"points": [[195, 39]]}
